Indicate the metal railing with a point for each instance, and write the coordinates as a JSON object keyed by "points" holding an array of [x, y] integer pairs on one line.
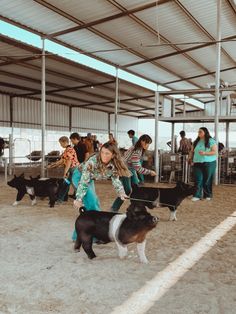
{"points": [[30, 168]]}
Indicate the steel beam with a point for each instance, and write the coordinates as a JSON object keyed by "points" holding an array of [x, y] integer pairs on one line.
{"points": [[43, 110]]}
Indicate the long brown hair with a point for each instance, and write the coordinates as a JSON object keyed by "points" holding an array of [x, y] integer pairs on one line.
{"points": [[143, 138], [206, 138], [120, 167]]}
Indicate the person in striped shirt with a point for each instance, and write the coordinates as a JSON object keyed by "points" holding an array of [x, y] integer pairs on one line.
{"points": [[133, 159]]}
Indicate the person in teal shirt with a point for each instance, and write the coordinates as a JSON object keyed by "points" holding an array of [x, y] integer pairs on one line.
{"points": [[203, 156], [134, 138]]}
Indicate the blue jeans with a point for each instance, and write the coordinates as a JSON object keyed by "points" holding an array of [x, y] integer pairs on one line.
{"points": [[90, 200], [204, 175]]}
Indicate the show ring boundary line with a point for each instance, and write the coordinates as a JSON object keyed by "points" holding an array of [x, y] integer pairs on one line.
{"points": [[143, 299]]}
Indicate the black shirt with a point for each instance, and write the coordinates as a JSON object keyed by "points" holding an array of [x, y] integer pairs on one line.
{"points": [[81, 150], [96, 146]]}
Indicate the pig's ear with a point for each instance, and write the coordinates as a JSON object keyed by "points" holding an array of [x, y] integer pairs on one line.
{"points": [[22, 175]]}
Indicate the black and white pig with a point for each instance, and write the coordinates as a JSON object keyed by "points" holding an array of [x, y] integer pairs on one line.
{"points": [[162, 197], [113, 227], [35, 187]]}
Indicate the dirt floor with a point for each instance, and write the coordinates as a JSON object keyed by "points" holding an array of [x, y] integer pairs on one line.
{"points": [[41, 273]]}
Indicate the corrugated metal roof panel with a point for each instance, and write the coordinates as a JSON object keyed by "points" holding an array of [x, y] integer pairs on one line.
{"points": [[136, 36], [181, 65], [119, 58], [207, 57], [131, 4], [59, 98], [99, 91], [9, 90], [87, 40], [92, 43], [19, 82], [79, 74], [181, 85], [84, 9], [34, 15], [229, 76], [12, 51], [206, 13], [148, 70], [87, 98], [172, 23], [35, 74], [230, 48], [204, 80]]}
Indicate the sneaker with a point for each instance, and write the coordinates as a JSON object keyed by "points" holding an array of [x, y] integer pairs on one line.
{"points": [[208, 198], [195, 199]]}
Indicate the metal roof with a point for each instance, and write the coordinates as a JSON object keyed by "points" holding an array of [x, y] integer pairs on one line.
{"points": [[68, 82], [170, 42]]}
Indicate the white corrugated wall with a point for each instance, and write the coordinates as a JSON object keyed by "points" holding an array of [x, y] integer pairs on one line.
{"points": [[57, 116], [89, 121], [210, 108], [27, 114], [4, 110]]}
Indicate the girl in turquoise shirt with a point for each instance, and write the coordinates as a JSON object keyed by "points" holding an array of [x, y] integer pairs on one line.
{"points": [[203, 156]]}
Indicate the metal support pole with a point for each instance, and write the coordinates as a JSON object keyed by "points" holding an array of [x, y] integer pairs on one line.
{"points": [[43, 109], [217, 82], [11, 148], [227, 136], [184, 113], [70, 118], [116, 105], [157, 96], [5, 169], [11, 111], [173, 137], [109, 122], [173, 107], [11, 153], [220, 105], [228, 105]]}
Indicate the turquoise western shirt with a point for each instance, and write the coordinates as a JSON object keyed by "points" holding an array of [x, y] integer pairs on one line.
{"points": [[201, 146]]}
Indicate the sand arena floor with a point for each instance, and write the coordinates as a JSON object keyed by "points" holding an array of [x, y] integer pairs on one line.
{"points": [[40, 272]]}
